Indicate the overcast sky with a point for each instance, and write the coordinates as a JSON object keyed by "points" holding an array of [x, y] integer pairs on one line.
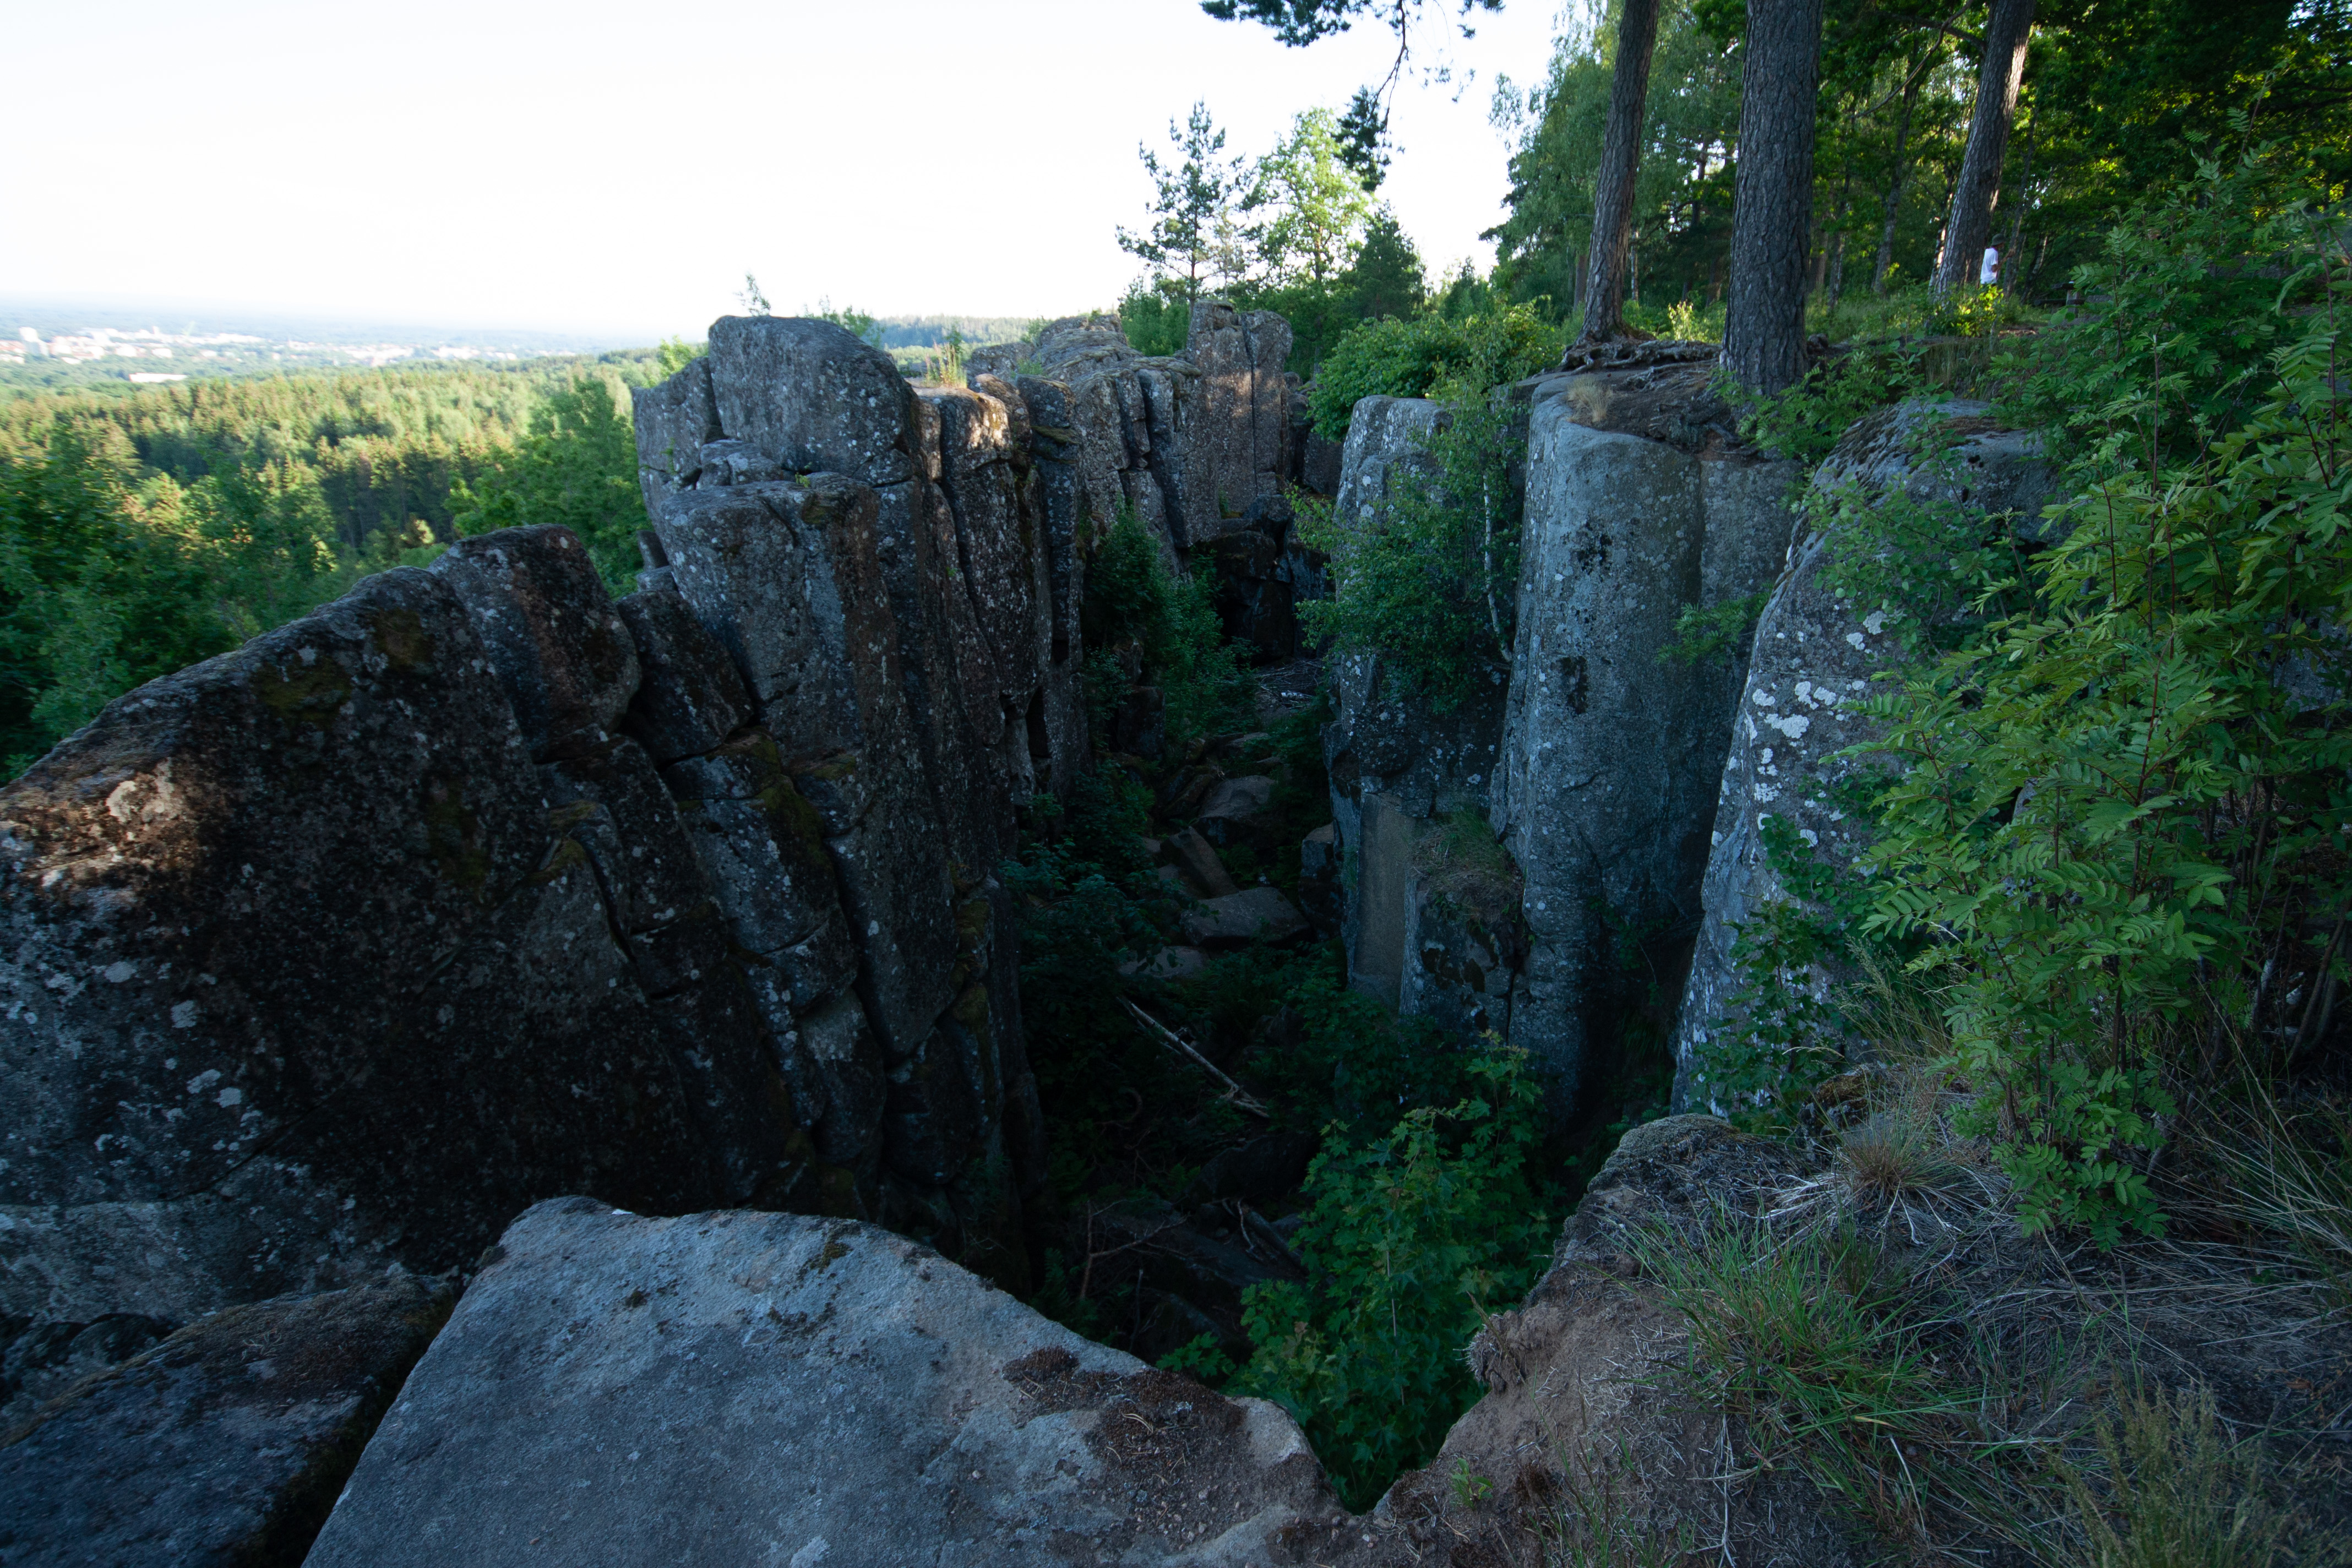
{"points": [[616, 168]]}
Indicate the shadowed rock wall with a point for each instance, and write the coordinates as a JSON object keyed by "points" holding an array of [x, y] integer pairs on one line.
{"points": [[475, 887], [1427, 929], [1817, 656]]}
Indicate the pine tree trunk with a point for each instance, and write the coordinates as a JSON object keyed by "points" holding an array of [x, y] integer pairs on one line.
{"points": [[1621, 160], [1969, 228], [1772, 196]]}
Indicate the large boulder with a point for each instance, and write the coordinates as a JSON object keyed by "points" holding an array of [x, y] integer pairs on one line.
{"points": [[1817, 656], [1636, 510], [765, 1388], [225, 1445], [302, 975]]}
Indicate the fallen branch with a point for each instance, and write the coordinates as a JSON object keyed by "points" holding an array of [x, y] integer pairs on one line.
{"points": [[1167, 1037]]}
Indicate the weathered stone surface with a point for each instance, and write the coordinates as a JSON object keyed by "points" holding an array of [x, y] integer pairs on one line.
{"points": [[762, 851], [812, 397], [757, 1388], [1464, 937], [1605, 794], [245, 891], [1195, 859], [690, 695], [611, 802], [1254, 914], [787, 580], [1238, 428], [1817, 658], [1261, 573], [1002, 566], [1384, 451], [1236, 811], [557, 646], [790, 577], [225, 1445], [1322, 897], [41, 1360], [840, 1081], [1119, 419], [673, 422]]}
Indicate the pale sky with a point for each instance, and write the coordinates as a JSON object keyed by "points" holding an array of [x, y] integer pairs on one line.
{"points": [[612, 168]]}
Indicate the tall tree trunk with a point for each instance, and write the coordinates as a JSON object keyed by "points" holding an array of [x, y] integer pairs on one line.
{"points": [[2012, 279], [1969, 228], [1772, 196], [1621, 160], [1886, 258]]}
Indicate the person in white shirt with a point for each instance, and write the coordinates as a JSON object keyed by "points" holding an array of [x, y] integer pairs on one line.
{"points": [[1989, 272]]}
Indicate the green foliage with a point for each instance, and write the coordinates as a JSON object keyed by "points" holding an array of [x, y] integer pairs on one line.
{"points": [[1702, 635], [107, 581], [578, 467], [1314, 207], [1387, 278], [1195, 237], [675, 354], [1804, 422], [2113, 827], [1200, 1358], [1430, 356], [1431, 582], [1135, 598], [1156, 317], [1408, 1238], [2183, 1492], [849, 319], [2119, 810]]}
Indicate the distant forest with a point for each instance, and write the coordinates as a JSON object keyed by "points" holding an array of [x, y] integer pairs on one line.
{"points": [[144, 529]]}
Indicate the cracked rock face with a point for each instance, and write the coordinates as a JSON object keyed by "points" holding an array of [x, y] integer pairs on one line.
{"points": [[749, 1387], [1610, 749], [1817, 657]]}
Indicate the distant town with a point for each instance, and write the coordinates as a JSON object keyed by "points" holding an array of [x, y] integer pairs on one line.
{"points": [[190, 352]]}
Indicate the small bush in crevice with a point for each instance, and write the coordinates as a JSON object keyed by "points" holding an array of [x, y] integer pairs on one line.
{"points": [[1411, 1239], [1432, 583], [1141, 615]]}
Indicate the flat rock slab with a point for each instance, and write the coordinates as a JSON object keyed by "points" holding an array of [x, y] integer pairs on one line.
{"points": [[1254, 914], [746, 1388], [224, 1445]]}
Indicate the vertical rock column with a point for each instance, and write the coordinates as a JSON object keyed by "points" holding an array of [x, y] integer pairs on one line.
{"points": [[1611, 752], [1237, 438], [884, 613]]}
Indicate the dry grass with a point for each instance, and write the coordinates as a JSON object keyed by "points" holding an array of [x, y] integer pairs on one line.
{"points": [[2179, 1491]]}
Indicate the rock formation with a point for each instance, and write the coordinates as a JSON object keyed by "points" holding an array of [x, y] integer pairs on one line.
{"points": [[1593, 767], [1637, 509], [1400, 772], [475, 887], [768, 1388], [1817, 657]]}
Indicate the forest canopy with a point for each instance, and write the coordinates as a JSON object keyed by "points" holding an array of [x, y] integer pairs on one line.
{"points": [[142, 532]]}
